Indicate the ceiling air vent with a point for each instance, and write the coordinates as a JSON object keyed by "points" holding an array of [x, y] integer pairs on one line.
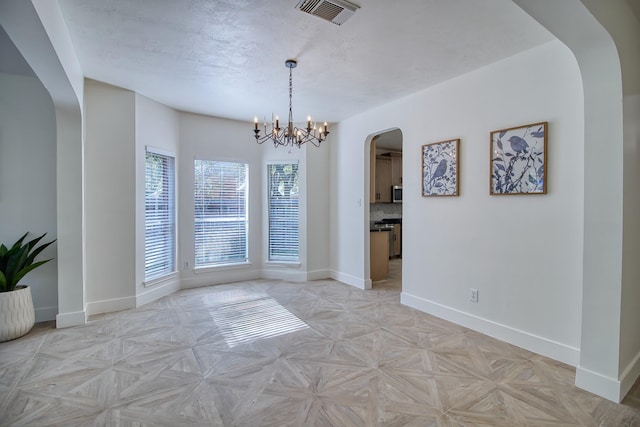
{"points": [[336, 11]]}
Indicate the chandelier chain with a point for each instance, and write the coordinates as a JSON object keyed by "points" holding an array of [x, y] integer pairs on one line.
{"points": [[290, 96]]}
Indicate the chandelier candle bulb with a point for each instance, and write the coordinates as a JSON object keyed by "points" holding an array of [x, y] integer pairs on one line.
{"points": [[255, 121]]}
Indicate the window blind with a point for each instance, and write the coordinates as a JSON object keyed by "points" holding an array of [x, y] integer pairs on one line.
{"points": [[284, 222], [221, 224], [159, 215]]}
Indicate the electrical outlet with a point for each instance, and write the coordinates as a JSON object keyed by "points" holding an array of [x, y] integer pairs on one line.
{"points": [[473, 295], [187, 264]]}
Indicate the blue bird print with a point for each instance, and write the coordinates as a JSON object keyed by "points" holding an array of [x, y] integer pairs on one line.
{"points": [[440, 170], [518, 145]]}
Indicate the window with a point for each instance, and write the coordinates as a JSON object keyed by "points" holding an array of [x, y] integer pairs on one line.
{"points": [[283, 212], [159, 215], [221, 225]]}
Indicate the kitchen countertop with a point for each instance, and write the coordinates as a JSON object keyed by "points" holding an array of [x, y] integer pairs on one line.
{"points": [[391, 221], [384, 225], [381, 227]]}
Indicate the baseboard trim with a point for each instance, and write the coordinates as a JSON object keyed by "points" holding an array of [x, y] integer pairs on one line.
{"points": [[110, 305], [599, 384], [218, 278], [348, 279], [318, 274], [540, 345], [44, 314], [74, 318], [629, 376], [157, 292], [284, 274]]}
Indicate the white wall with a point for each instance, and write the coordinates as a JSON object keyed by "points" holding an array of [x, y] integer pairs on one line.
{"points": [[318, 197], [210, 138], [63, 78], [630, 314], [109, 197], [119, 124], [623, 26], [157, 126], [347, 188], [46, 44], [523, 253], [28, 179]]}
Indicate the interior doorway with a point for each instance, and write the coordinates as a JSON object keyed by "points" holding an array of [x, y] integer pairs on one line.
{"points": [[383, 216]]}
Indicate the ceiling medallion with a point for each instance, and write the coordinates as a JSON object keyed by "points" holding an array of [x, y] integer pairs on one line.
{"points": [[291, 135]]}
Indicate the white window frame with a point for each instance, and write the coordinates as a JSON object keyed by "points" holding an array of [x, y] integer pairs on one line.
{"points": [[274, 258], [170, 255], [201, 218]]}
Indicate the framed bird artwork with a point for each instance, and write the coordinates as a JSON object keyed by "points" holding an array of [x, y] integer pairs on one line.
{"points": [[519, 160], [440, 168]]}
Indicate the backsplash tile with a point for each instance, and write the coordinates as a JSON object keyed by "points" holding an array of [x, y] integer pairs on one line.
{"points": [[380, 211]]}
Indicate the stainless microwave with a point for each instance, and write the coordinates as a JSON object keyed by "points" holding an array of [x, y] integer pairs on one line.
{"points": [[396, 193]]}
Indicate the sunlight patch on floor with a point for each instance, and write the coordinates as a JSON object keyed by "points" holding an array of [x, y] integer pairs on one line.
{"points": [[245, 317]]}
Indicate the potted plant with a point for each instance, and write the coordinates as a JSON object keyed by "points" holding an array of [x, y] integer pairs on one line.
{"points": [[17, 314]]}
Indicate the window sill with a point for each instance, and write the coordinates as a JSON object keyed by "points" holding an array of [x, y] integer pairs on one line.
{"points": [[160, 279], [220, 267], [284, 264]]}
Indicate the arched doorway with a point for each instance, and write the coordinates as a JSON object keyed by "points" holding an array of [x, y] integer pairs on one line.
{"points": [[383, 190]]}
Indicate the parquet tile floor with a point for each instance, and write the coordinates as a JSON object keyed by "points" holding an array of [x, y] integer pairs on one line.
{"points": [[272, 353]]}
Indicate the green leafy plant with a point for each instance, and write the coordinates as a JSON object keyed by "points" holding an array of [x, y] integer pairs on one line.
{"points": [[19, 260]]}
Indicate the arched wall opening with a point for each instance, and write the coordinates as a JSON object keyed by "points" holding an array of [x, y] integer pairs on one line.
{"points": [[609, 355], [369, 179], [38, 31]]}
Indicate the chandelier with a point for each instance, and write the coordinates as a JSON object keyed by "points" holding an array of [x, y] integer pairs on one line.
{"points": [[291, 135]]}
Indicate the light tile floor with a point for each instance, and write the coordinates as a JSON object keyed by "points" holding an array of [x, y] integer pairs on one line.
{"points": [[270, 353]]}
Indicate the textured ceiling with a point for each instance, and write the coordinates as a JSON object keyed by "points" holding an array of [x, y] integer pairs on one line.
{"points": [[226, 57]]}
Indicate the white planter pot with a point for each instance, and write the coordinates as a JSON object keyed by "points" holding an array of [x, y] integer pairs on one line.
{"points": [[17, 315]]}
